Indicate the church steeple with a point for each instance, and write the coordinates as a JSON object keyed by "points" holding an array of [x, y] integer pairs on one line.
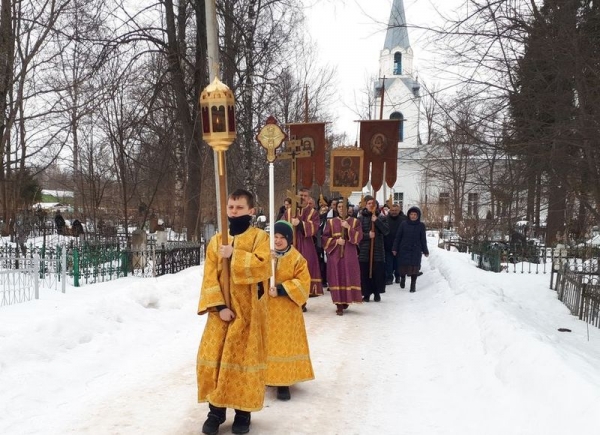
{"points": [[397, 56], [401, 90], [397, 35]]}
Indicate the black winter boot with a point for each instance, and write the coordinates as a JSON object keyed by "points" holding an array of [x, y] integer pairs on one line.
{"points": [[403, 281], [241, 422], [283, 393], [216, 416], [413, 283]]}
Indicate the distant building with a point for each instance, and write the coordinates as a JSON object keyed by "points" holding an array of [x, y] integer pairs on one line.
{"points": [[59, 194], [54, 207], [63, 198]]}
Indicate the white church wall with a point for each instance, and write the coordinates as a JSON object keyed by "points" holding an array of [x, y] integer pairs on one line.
{"points": [[401, 99]]}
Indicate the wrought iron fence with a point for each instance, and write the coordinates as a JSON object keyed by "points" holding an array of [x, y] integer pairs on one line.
{"points": [[574, 271], [98, 263], [579, 290], [21, 282], [86, 262], [516, 258]]}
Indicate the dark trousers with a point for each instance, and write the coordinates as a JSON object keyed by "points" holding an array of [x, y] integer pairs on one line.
{"points": [[374, 285], [322, 265], [391, 266]]}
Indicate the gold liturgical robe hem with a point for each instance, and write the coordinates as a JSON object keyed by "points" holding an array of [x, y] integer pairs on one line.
{"points": [[288, 353], [231, 363]]}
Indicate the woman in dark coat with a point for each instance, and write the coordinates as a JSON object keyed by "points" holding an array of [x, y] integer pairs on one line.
{"points": [[409, 245], [372, 275]]}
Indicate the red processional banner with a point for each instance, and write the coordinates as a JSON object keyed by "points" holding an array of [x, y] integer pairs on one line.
{"points": [[379, 140], [312, 137]]}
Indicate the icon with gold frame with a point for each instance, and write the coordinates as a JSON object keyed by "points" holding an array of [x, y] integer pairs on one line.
{"points": [[346, 169]]}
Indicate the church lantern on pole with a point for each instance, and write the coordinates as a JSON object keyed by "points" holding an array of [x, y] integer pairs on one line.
{"points": [[217, 106]]}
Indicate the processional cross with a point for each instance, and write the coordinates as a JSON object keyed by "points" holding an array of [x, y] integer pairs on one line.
{"points": [[293, 151]]}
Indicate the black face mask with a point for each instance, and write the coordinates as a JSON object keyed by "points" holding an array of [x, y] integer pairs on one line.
{"points": [[239, 224]]}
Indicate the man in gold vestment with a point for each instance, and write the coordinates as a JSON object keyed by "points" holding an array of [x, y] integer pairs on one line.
{"points": [[231, 361], [288, 356]]}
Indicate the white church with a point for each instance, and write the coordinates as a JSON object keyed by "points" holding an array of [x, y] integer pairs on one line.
{"points": [[399, 89], [397, 96]]}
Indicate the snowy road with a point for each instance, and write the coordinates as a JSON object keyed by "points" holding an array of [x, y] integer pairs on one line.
{"points": [[469, 353]]}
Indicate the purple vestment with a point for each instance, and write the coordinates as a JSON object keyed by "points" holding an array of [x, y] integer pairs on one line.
{"points": [[304, 243], [343, 270]]}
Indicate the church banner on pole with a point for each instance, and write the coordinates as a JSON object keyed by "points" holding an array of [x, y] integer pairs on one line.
{"points": [[312, 138], [379, 140]]}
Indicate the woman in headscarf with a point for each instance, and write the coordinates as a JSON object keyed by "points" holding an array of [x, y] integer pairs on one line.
{"points": [[410, 244]]}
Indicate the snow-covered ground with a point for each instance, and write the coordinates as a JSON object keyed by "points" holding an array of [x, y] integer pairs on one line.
{"points": [[471, 352]]}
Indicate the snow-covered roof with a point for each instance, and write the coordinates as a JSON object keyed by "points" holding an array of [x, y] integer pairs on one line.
{"points": [[59, 193]]}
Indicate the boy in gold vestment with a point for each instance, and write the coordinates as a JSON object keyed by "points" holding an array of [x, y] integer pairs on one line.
{"points": [[231, 361], [288, 358]]}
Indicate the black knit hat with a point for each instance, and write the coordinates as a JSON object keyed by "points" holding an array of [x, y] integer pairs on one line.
{"points": [[286, 230]]}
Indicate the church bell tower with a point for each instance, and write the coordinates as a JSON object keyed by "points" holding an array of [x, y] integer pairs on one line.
{"points": [[397, 83]]}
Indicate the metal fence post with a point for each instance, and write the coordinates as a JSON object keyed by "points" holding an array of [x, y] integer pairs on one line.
{"points": [[124, 262], [63, 268], [154, 260], [76, 267], [36, 275]]}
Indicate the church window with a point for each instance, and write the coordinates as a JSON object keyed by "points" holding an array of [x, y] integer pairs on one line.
{"points": [[473, 205], [397, 63], [399, 199], [398, 115]]}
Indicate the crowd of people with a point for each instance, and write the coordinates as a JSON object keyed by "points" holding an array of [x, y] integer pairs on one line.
{"points": [[252, 341]]}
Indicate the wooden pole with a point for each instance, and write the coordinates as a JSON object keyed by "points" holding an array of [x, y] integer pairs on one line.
{"points": [[306, 103], [222, 186], [371, 251], [293, 195], [343, 216], [382, 98], [372, 246]]}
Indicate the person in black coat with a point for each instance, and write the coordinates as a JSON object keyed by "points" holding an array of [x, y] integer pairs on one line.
{"points": [[394, 218], [287, 203], [372, 280], [60, 223], [409, 245], [323, 213]]}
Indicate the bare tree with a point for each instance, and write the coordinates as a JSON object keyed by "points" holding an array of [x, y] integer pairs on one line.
{"points": [[26, 124]]}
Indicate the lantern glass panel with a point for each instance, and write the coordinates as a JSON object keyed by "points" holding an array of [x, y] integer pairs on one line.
{"points": [[205, 121], [231, 118], [218, 119]]}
